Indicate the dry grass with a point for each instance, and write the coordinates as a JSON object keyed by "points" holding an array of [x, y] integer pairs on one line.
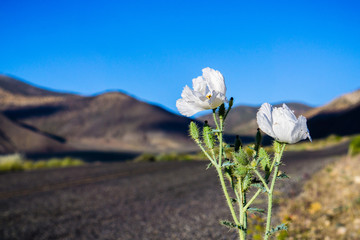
{"points": [[330, 141], [329, 206], [18, 162]]}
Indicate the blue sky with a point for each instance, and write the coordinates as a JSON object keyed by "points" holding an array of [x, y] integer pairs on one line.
{"points": [[306, 51]]}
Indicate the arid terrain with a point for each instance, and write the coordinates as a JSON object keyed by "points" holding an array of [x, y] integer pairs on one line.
{"points": [[163, 200]]}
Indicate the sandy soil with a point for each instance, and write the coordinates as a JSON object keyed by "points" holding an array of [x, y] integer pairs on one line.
{"points": [[170, 200]]}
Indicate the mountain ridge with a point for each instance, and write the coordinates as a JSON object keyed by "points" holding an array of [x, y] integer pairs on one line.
{"points": [[114, 120], [110, 120]]}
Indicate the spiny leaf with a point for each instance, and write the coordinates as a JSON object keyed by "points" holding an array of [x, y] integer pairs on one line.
{"points": [[282, 176], [241, 171], [215, 130], [241, 157], [230, 225], [264, 159], [247, 181], [277, 147], [256, 210], [260, 186], [208, 136], [227, 164], [250, 151], [277, 228], [229, 173], [209, 165], [194, 131]]}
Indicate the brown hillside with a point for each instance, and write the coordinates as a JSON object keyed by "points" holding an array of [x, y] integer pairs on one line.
{"points": [[342, 103], [16, 138], [111, 120], [15, 93]]}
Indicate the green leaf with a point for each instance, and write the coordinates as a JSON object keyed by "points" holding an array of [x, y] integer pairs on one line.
{"points": [[282, 176], [230, 225], [259, 186], [194, 131], [215, 131], [227, 164], [241, 157], [264, 159], [240, 171], [208, 136], [247, 181], [256, 210], [209, 165], [277, 228]]}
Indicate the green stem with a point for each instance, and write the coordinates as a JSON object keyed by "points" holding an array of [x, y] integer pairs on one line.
{"points": [[244, 214], [213, 161], [242, 232], [262, 180], [221, 177], [228, 200], [270, 194], [252, 199], [215, 120], [220, 141]]}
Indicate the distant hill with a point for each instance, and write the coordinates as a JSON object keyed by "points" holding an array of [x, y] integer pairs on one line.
{"points": [[17, 138], [341, 117], [344, 102], [18, 87], [242, 119], [108, 121], [37, 120], [14, 93]]}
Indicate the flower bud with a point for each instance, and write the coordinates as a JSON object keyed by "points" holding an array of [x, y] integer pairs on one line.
{"points": [[237, 144], [194, 131], [231, 102], [208, 136], [222, 110], [257, 140]]}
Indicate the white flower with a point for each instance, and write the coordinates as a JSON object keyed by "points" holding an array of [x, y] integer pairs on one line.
{"points": [[209, 93], [281, 124]]}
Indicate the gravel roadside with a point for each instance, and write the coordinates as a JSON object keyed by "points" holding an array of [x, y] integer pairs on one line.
{"points": [[168, 200]]}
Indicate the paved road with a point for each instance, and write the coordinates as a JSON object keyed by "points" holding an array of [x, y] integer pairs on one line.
{"points": [[174, 200]]}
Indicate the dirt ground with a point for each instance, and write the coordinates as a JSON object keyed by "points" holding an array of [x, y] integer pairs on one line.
{"points": [[167, 200]]}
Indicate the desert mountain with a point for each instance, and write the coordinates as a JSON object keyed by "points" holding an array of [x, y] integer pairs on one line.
{"points": [[14, 93], [342, 103], [242, 119], [341, 117], [108, 121], [17, 138]]}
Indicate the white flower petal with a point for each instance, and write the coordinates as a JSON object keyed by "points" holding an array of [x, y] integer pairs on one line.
{"points": [[209, 93], [300, 130], [289, 113], [264, 119], [215, 80], [187, 108], [216, 100], [200, 85], [285, 126]]}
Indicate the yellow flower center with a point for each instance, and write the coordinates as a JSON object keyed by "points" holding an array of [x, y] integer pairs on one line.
{"points": [[208, 96]]}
